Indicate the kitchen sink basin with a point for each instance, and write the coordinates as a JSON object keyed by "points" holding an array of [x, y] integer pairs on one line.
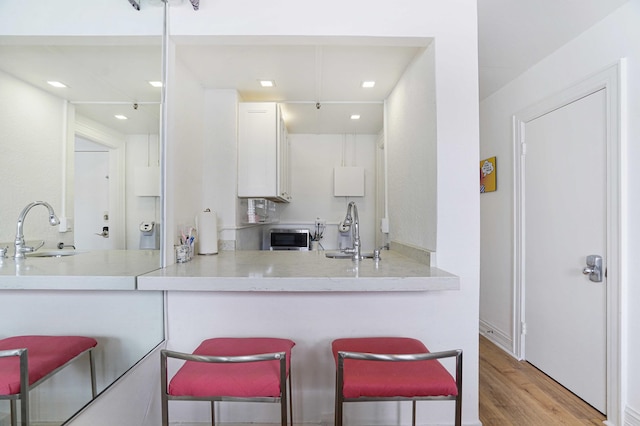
{"points": [[342, 255], [338, 255], [53, 253]]}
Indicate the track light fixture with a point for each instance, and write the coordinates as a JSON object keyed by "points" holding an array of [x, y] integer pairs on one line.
{"points": [[194, 3]]}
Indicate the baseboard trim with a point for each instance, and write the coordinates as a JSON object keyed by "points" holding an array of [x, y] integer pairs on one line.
{"points": [[631, 417], [497, 336]]}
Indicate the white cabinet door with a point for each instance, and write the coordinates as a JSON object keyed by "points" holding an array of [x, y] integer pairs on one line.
{"points": [[262, 152], [284, 179]]}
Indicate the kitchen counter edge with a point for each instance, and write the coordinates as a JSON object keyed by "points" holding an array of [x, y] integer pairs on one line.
{"points": [[265, 271]]}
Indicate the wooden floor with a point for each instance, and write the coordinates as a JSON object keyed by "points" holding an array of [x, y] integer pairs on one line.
{"points": [[516, 393]]}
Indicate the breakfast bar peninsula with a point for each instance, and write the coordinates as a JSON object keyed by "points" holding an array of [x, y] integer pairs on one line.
{"points": [[311, 299]]}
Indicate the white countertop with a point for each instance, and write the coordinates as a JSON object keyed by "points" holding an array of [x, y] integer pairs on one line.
{"points": [[292, 271], [93, 270]]}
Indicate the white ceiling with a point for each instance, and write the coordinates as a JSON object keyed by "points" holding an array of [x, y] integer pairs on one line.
{"points": [[516, 34], [318, 82], [112, 76], [103, 78]]}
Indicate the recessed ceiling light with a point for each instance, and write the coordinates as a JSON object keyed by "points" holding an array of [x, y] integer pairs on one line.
{"points": [[121, 117], [57, 84], [156, 83], [368, 84], [267, 83], [355, 116]]}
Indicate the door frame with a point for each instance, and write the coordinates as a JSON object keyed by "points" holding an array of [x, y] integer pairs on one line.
{"points": [[115, 144], [611, 80]]}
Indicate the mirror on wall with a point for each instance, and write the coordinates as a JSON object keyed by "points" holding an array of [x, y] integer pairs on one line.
{"points": [[91, 149], [126, 324], [107, 113]]}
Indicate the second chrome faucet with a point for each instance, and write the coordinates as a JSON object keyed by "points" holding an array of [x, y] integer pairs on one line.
{"points": [[354, 223], [20, 246]]}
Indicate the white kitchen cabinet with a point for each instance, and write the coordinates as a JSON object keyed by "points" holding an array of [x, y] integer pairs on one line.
{"points": [[263, 152]]}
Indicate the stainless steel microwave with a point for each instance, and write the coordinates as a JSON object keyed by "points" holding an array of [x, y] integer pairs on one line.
{"points": [[287, 239]]}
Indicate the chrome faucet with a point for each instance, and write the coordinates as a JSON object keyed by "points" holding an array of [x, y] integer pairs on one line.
{"points": [[354, 222], [20, 247]]}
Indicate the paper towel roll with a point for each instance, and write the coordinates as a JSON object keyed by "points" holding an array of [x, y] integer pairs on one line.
{"points": [[207, 232]]}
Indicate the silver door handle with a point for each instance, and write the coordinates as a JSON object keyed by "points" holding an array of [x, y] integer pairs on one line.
{"points": [[104, 233], [594, 268]]}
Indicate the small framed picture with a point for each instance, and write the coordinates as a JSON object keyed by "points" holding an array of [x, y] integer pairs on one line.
{"points": [[488, 175]]}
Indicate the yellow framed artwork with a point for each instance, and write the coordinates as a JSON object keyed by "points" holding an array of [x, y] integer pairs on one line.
{"points": [[488, 175]]}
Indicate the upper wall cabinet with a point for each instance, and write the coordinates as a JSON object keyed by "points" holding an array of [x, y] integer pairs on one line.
{"points": [[263, 152]]}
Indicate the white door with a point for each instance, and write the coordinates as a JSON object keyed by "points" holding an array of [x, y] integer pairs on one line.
{"points": [[565, 221], [91, 206]]}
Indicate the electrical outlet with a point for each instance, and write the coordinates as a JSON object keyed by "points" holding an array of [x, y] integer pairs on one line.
{"points": [[384, 225], [66, 225]]}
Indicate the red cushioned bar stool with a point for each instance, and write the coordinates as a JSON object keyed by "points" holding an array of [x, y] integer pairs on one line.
{"points": [[250, 369], [27, 361], [394, 369]]}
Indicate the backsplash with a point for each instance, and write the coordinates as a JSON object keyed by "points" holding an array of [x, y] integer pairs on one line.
{"points": [[418, 254]]}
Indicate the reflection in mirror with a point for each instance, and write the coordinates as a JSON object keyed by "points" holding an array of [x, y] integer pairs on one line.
{"points": [[109, 107], [65, 146], [126, 324]]}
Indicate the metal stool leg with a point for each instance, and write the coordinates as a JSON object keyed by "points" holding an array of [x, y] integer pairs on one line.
{"points": [[163, 387], [92, 367], [458, 421], [14, 416], [290, 398], [338, 408], [413, 414], [24, 413], [213, 413]]}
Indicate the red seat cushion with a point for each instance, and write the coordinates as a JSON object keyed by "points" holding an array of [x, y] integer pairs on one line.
{"points": [[250, 379], [45, 354], [384, 379]]}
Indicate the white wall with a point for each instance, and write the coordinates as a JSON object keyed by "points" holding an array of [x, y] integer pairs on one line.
{"points": [[219, 171], [184, 151], [313, 320], [313, 158], [27, 177], [615, 37], [411, 153]]}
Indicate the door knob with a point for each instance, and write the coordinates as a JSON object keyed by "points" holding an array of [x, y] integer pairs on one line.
{"points": [[594, 268]]}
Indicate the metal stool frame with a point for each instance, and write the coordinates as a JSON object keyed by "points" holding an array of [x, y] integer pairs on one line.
{"points": [[23, 396], [282, 399], [340, 399]]}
